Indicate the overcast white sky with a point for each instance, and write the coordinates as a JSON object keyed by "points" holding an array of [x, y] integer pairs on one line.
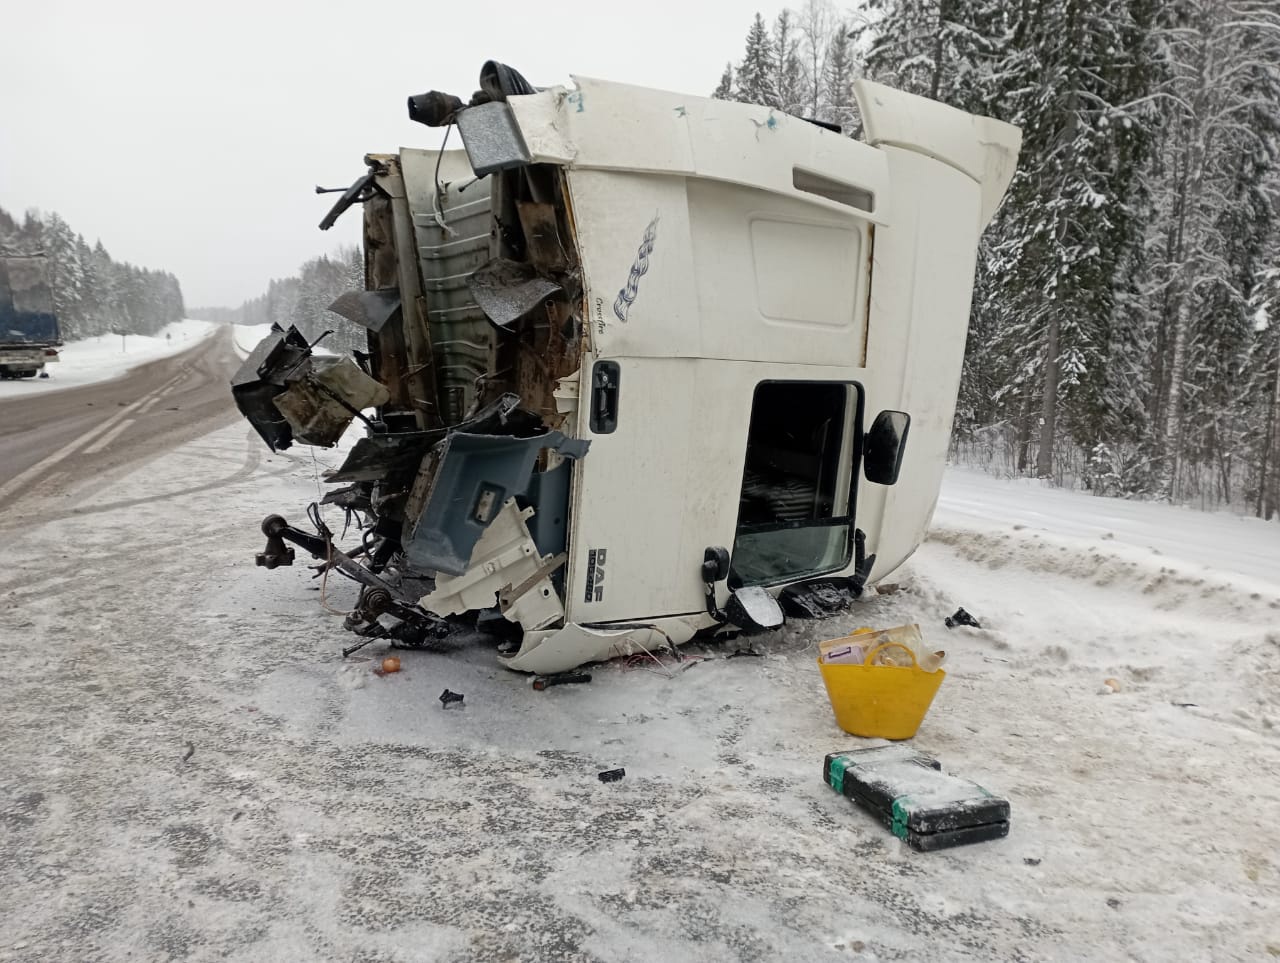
{"points": [[188, 137]]}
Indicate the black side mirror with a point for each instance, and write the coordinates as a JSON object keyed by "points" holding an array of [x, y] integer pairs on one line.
{"points": [[754, 610], [884, 446], [715, 564]]}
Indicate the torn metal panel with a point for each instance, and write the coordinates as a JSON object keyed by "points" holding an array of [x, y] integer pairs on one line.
{"points": [[546, 251], [352, 498], [502, 416], [320, 404], [279, 357], [508, 290], [376, 456], [506, 569], [420, 392], [369, 309], [475, 475], [388, 351], [453, 230]]}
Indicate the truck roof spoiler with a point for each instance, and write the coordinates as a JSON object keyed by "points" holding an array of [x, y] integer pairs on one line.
{"points": [[983, 148]]}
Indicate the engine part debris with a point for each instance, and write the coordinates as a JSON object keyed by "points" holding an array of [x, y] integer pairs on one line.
{"points": [[277, 552], [562, 678], [448, 698], [961, 617], [817, 599], [612, 775], [191, 751]]}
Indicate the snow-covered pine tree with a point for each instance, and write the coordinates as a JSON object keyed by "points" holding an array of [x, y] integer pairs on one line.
{"points": [[816, 22], [67, 276], [1221, 51], [757, 75], [789, 76], [724, 89], [836, 95]]}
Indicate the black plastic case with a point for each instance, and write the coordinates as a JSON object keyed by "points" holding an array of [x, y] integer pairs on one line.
{"points": [[919, 803]]}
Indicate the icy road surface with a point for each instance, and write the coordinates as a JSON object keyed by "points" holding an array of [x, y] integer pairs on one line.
{"points": [[51, 444], [325, 812]]}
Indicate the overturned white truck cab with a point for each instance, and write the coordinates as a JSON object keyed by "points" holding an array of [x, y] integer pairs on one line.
{"points": [[641, 365]]}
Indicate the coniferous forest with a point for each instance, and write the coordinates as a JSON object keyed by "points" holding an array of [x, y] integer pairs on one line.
{"points": [[92, 293], [303, 300], [1125, 333]]}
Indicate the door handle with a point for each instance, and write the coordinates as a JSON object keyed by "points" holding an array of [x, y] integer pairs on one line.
{"points": [[605, 379]]}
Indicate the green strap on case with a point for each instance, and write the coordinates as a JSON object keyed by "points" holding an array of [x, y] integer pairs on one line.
{"points": [[836, 777]]}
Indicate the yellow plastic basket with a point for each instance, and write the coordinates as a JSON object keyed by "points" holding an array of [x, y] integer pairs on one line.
{"points": [[880, 701]]}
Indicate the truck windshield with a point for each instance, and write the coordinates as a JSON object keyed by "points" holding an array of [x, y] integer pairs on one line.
{"points": [[793, 515]]}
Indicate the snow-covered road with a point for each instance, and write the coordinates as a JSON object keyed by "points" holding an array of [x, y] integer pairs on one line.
{"points": [[329, 813]]}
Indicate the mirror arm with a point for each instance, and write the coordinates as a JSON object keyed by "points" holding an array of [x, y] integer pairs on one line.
{"points": [[715, 568]]}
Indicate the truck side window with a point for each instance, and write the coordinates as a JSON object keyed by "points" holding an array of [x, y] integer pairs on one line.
{"points": [[793, 513]]}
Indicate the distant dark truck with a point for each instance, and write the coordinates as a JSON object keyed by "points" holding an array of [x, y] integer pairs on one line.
{"points": [[29, 336]]}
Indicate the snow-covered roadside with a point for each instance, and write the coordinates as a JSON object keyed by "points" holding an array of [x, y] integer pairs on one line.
{"points": [[246, 337], [1245, 549], [326, 812], [109, 356]]}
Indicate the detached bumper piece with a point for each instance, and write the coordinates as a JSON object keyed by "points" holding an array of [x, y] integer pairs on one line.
{"points": [[918, 802]]}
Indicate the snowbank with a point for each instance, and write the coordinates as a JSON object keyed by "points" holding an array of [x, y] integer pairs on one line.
{"points": [[247, 336], [109, 356], [1244, 549]]}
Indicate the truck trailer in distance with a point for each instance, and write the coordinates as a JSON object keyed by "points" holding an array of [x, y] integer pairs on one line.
{"points": [[29, 336], [642, 366]]}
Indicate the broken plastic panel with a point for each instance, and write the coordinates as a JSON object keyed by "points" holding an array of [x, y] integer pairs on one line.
{"points": [[507, 570], [753, 610], [476, 475]]}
